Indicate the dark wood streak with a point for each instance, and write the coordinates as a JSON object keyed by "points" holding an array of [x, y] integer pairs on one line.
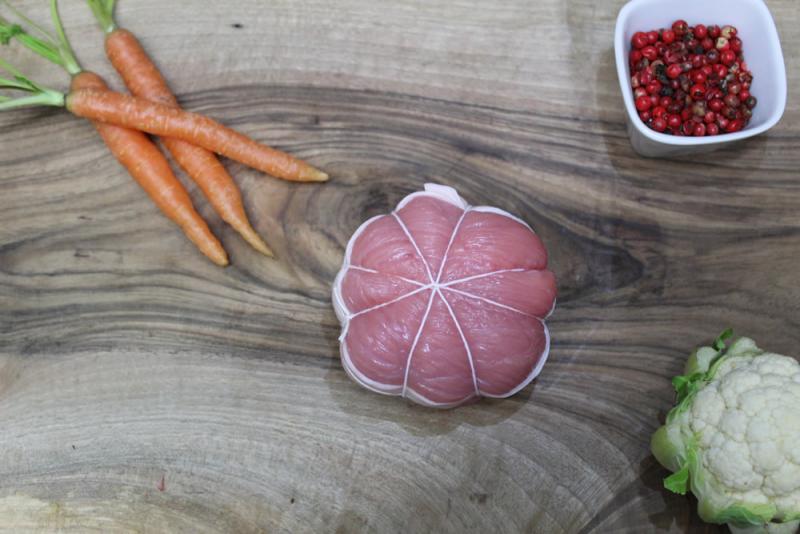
{"points": [[125, 356]]}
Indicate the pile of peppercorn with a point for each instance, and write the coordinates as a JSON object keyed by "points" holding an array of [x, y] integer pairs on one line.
{"points": [[691, 80]]}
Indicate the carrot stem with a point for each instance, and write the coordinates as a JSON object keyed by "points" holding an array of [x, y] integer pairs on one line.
{"points": [[50, 98], [39, 95], [20, 15], [53, 47], [65, 48], [104, 13]]}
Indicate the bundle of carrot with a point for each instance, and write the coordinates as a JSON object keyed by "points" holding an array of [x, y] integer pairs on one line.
{"points": [[124, 120]]}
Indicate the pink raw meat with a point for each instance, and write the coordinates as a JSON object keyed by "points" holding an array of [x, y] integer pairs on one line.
{"points": [[443, 303]]}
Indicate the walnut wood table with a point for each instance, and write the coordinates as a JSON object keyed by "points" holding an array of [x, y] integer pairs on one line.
{"points": [[143, 389]]}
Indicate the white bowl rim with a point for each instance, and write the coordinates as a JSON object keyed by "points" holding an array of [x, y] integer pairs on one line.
{"points": [[621, 60]]}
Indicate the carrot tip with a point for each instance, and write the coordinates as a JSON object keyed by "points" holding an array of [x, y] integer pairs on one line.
{"points": [[254, 240], [220, 257], [262, 248], [315, 175]]}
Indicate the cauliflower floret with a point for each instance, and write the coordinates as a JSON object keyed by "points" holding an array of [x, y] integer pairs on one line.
{"points": [[766, 456], [733, 424], [785, 481], [708, 409], [730, 464]]}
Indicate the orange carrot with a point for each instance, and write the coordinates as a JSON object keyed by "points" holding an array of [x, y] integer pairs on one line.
{"points": [[166, 121], [150, 169], [143, 79]]}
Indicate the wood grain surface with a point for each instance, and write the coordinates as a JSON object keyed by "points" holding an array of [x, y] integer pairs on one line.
{"points": [[143, 389]]}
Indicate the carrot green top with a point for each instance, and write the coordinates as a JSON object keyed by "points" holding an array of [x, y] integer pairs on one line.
{"points": [[51, 45], [104, 13]]}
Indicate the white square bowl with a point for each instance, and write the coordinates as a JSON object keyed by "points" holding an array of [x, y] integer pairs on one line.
{"points": [[762, 52]]}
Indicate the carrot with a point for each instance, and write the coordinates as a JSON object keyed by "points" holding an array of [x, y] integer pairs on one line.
{"points": [[148, 166], [133, 149], [143, 79], [166, 121]]}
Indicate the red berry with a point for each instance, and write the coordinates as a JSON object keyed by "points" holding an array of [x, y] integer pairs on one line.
{"points": [[722, 44], [743, 95], [639, 40], [645, 77], [654, 87], [688, 128], [734, 88], [713, 31], [709, 117], [649, 52], [645, 116], [658, 112], [721, 70], [698, 91], [731, 101], [674, 121], [643, 103], [698, 60], [659, 124], [707, 43], [664, 101], [736, 44], [671, 57], [707, 70], [674, 70], [729, 113], [686, 114], [680, 27], [668, 36], [699, 77], [722, 122], [639, 92], [700, 31], [735, 125], [699, 130], [653, 101], [728, 32], [715, 105], [635, 56], [712, 129], [728, 57], [652, 37]]}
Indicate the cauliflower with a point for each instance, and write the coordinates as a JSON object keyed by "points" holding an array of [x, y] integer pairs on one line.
{"points": [[733, 437]]}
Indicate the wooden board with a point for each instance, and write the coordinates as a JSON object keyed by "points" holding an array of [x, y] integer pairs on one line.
{"points": [[143, 389]]}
